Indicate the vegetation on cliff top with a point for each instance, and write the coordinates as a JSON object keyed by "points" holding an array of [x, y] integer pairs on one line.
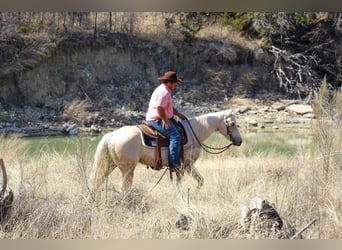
{"points": [[305, 45]]}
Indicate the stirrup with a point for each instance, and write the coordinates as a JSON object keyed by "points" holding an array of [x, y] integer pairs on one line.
{"points": [[177, 170]]}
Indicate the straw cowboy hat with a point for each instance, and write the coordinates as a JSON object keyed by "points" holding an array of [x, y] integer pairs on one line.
{"points": [[170, 76]]}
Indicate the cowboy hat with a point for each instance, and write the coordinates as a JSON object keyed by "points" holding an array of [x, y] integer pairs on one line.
{"points": [[170, 76]]}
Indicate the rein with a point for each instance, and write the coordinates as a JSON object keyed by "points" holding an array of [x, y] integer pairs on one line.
{"points": [[207, 148], [161, 177]]}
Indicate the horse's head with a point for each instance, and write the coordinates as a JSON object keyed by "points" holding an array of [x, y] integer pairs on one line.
{"points": [[229, 128]]}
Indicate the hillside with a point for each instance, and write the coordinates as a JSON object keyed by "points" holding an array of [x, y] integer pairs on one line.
{"points": [[63, 73]]}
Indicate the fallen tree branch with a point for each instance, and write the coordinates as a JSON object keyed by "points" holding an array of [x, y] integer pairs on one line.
{"points": [[5, 200], [303, 229]]}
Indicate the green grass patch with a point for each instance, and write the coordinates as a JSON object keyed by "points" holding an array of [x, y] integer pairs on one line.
{"points": [[264, 143], [275, 143]]}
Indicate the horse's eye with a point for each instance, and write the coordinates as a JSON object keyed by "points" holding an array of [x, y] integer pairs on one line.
{"points": [[232, 124]]}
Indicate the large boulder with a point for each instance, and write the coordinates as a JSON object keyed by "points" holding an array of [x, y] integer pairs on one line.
{"points": [[300, 109]]}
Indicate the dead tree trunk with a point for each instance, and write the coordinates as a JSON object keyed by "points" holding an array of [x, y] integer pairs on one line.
{"points": [[95, 25], [6, 199]]}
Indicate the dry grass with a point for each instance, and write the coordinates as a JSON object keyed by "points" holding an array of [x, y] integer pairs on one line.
{"points": [[76, 111], [241, 101], [11, 148], [50, 198], [228, 34]]}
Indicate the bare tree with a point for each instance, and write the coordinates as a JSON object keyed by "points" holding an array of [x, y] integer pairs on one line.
{"points": [[110, 20], [131, 22], [95, 24], [296, 71], [338, 23]]}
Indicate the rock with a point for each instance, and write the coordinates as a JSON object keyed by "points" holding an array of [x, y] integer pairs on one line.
{"points": [[264, 110], [13, 130], [260, 216], [252, 122], [73, 129], [268, 121], [300, 109], [289, 102], [261, 220], [309, 115], [243, 109], [278, 106], [95, 129], [184, 222]]}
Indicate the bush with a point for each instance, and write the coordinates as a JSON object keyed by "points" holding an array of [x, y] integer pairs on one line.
{"points": [[28, 28]]}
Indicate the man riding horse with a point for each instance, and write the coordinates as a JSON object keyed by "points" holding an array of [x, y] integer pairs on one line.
{"points": [[161, 111], [124, 147]]}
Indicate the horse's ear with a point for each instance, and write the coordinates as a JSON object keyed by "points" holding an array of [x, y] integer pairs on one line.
{"points": [[229, 112], [233, 111]]}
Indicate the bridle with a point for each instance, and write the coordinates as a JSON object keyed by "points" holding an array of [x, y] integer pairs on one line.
{"points": [[207, 148]]}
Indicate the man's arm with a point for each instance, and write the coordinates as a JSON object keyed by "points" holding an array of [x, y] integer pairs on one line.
{"points": [[180, 115], [161, 112]]}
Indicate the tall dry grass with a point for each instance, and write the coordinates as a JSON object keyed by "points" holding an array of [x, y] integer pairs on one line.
{"points": [[51, 191], [328, 127]]}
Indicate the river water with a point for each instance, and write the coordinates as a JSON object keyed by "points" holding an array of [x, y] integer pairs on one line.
{"points": [[281, 142], [59, 144]]}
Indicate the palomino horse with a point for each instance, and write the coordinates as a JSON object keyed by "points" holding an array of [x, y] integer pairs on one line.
{"points": [[124, 148]]}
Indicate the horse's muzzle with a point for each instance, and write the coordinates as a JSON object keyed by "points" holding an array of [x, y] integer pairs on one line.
{"points": [[237, 142]]}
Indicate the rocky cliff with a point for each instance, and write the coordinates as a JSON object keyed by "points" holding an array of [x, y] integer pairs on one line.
{"points": [[114, 74]]}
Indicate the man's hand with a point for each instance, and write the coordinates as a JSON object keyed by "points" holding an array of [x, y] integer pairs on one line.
{"points": [[180, 115], [166, 123]]}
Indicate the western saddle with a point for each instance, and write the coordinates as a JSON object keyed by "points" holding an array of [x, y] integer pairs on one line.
{"points": [[154, 138]]}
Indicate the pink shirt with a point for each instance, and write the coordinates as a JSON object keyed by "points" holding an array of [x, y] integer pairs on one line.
{"points": [[161, 96]]}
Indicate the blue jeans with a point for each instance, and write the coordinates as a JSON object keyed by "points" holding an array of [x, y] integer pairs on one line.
{"points": [[175, 140]]}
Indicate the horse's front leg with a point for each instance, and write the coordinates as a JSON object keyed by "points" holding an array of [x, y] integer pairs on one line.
{"points": [[192, 170]]}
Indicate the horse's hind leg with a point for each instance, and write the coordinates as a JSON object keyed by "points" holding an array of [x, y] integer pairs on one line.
{"points": [[98, 179], [127, 176], [100, 176]]}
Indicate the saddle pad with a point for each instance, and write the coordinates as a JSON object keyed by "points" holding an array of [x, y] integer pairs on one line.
{"points": [[150, 135]]}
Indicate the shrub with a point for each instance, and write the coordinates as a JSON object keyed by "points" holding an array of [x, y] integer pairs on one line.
{"points": [[28, 28]]}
